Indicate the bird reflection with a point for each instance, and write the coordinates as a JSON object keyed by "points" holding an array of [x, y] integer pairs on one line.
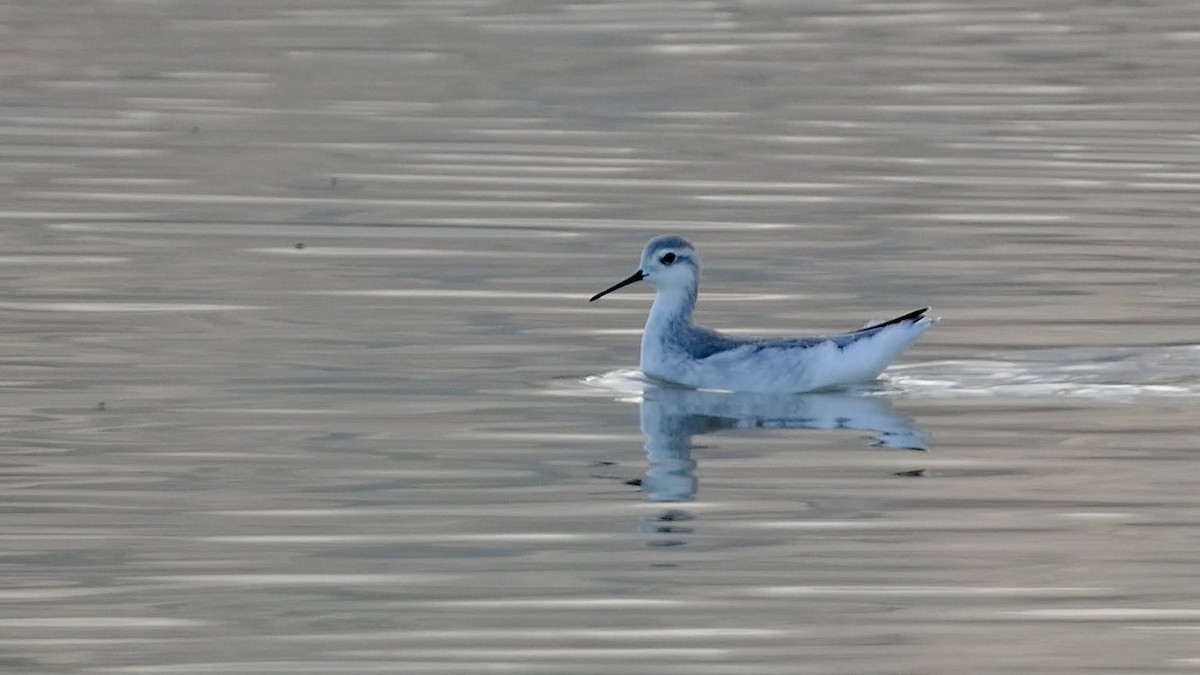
{"points": [[671, 417]]}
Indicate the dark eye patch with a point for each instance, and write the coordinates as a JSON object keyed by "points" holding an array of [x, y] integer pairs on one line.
{"points": [[667, 259]]}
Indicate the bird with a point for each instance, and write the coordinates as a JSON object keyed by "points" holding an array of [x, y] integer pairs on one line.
{"points": [[677, 351]]}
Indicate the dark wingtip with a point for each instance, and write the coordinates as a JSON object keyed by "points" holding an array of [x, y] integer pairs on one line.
{"points": [[915, 315]]}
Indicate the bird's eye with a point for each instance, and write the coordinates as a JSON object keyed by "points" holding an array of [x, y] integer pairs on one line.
{"points": [[667, 259]]}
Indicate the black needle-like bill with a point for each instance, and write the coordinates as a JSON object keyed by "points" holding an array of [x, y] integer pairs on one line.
{"points": [[632, 279]]}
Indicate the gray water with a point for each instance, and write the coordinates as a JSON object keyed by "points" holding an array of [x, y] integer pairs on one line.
{"points": [[297, 372]]}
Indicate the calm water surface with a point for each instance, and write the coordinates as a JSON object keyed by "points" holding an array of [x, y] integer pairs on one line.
{"points": [[298, 372]]}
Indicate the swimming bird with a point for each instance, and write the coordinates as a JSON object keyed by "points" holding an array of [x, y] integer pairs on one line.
{"points": [[676, 350]]}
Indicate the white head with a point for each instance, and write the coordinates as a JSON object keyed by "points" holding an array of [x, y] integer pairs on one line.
{"points": [[669, 263]]}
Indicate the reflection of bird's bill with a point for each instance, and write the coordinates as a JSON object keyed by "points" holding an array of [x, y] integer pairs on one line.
{"points": [[631, 279]]}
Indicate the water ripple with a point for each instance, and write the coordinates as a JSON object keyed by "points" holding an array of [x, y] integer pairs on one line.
{"points": [[1092, 373]]}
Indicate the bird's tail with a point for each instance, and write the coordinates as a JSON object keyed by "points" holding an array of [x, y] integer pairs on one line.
{"points": [[913, 316]]}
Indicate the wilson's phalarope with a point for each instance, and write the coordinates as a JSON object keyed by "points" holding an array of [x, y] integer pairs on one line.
{"points": [[676, 350]]}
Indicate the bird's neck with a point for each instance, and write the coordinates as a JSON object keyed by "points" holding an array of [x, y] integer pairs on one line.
{"points": [[670, 316], [672, 306]]}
